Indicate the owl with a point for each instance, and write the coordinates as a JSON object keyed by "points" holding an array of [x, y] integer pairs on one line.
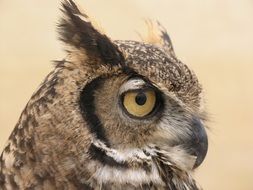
{"points": [[112, 115]]}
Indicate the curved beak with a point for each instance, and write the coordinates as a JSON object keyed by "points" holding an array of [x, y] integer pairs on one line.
{"points": [[198, 144]]}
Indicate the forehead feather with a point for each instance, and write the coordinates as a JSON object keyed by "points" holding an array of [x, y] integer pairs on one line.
{"points": [[153, 62]]}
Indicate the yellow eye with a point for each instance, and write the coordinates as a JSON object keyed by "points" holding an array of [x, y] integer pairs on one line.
{"points": [[140, 103]]}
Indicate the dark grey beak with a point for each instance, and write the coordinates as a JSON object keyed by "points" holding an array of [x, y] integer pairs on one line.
{"points": [[198, 145]]}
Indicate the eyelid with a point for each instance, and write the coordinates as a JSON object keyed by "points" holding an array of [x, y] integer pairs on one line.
{"points": [[132, 84], [138, 90]]}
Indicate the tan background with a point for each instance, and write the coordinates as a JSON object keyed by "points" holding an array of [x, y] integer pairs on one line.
{"points": [[215, 38]]}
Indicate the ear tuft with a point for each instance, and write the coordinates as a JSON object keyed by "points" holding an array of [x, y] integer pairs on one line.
{"points": [[76, 30], [158, 35]]}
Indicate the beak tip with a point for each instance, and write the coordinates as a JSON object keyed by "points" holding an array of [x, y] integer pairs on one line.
{"points": [[200, 142], [201, 154]]}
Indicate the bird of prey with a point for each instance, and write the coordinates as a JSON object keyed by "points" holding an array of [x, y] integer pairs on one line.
{"points": [[111, 115]]}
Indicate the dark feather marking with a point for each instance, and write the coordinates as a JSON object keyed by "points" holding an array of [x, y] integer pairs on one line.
{"points": [[2, 165], [2, 179], [47, 86], [44, 175], [100, 155], [13, 184], [2, 162], [166, 40], [20, 159], [81, 34], [166, 174], [80, 186], [7, 148], [88, 109]]}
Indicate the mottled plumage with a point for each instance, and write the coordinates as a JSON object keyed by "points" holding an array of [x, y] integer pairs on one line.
{"points": [[82, 129]]}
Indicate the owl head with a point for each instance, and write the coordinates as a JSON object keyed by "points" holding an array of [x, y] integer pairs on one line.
{"points": [[123, 112], [127, 95]]}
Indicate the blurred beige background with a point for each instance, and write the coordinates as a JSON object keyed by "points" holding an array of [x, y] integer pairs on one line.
{"points": [[215, 38]]}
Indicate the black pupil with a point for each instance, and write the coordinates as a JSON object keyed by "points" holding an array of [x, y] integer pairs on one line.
{"points": [[141, 98]]}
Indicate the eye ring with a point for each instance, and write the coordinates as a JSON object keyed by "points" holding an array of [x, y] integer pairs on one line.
{"points": [[144, 103]]}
